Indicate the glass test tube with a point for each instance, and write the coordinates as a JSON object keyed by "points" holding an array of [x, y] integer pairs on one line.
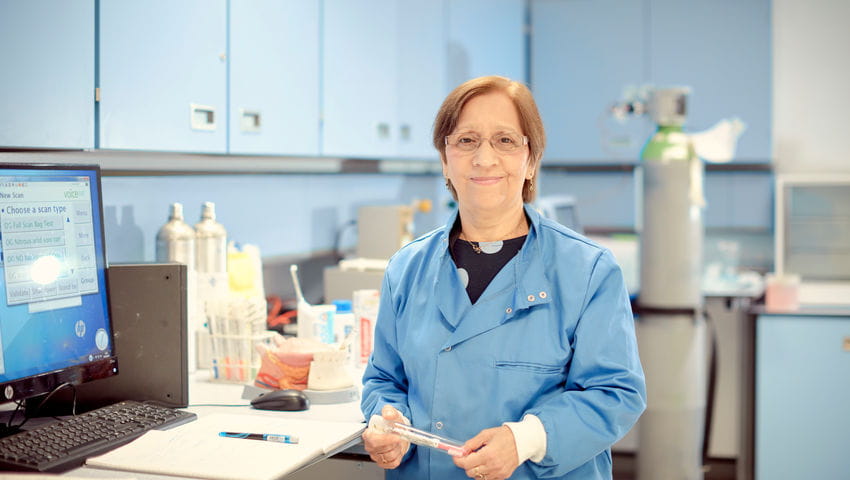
{"points": [[418, 437]]}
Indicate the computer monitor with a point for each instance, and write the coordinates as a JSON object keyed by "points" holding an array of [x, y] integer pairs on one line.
{"points": [[562, 209], [812, 223], [55, 326]]}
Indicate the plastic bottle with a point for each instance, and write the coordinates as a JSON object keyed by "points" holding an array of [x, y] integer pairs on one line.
{"points": [[175, 241], [211, 242], [344, 325]]}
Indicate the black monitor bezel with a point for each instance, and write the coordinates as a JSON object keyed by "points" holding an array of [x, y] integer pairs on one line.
{"points": [[46, 382]]}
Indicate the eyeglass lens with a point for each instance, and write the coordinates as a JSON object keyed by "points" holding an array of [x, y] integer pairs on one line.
{"points": [[504, 142]]}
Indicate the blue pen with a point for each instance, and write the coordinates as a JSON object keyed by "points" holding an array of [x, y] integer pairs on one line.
{"points": [[268, 437]]}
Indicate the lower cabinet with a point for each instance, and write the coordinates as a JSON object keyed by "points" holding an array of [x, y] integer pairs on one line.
{"points": [[340, 468], [802, 396]]}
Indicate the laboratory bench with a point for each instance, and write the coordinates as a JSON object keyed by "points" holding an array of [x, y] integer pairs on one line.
{"points": [[782, 394], [208, 396]]}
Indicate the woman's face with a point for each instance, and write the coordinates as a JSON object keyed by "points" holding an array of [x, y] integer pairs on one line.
{"points": [[487, 179]]}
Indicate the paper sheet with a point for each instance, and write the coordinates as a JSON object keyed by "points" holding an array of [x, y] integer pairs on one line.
{"points": [[196, 450]]}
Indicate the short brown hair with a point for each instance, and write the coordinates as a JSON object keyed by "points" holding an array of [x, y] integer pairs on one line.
{"points": [[529, 120]]}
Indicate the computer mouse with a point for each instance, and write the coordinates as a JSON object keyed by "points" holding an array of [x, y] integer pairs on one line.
{"points": [[288, 400]]}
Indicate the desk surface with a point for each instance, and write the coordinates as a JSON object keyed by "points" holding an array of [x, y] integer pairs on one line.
{"points": [[207, 397]]}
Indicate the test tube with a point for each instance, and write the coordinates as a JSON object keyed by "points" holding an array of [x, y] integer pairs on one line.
{"points": [[418, 437]]}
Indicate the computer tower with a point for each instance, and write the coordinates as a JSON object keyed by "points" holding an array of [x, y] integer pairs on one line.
{"points": [[148, 309]]}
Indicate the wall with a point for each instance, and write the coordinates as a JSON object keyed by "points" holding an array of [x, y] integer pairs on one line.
{"points": [[811, 72], [284, 215]]}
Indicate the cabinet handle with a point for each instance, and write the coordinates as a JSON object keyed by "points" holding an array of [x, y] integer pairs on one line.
{"points": [[847, 344], [202, 117], [404, 132], [383, 130], [249, 120]]}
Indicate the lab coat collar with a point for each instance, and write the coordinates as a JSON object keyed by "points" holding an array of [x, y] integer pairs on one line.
{"points": [[522, 284]]}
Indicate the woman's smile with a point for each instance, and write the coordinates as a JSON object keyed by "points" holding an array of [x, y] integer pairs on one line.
{"points": [[485, 180]]}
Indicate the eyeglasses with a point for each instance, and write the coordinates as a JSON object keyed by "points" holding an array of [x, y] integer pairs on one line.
{"points": [[502, 142]]}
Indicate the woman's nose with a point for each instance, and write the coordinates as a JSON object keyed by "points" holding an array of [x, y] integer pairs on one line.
{"points": [[485, 155]]}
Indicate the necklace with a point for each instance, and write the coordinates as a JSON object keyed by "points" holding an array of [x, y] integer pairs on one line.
{"points": [[476, 246]]}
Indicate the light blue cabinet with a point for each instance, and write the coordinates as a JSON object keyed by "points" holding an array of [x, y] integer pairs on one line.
{"points": [[382, 77], [421, 76], [802, 396], [359, 78], [722, 50], [583, 56], [274, 77], [388, 65], [47, 86], [737, 199], [163, 75], [486, 37]]}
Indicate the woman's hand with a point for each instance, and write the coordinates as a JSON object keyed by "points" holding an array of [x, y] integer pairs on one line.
{"points": [[494, 455], [386, 449]]}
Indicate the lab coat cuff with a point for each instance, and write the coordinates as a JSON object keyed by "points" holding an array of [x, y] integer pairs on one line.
{"points": [[530, 438]]}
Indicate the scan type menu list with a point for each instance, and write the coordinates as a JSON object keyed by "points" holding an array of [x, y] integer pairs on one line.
{"points": [[47, 239]]}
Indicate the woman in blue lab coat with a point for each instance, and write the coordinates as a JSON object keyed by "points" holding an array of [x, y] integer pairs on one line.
{"points": [[502, 329]]}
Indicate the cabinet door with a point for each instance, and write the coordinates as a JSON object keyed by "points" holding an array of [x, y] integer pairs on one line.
{"points": [[584, 55], [422, 82], [486, 37], [47, 86], [274, 77], [359, 78], [802, 425], [722, 50], [742, 200], [163, 73]]}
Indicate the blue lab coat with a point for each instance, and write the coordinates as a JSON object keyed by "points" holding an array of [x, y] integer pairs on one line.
{"points": [[552, 335]]}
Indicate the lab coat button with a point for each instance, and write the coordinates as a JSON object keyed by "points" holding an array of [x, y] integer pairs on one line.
{"points": [[509, 310], [531, 298], [439, 425], [542, 294], [448, 349]]}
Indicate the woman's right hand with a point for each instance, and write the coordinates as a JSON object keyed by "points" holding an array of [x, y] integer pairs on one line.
{"points": [[386, 449]]}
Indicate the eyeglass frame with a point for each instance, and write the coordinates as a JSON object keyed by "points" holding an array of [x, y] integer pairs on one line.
{"points": [[523, 142]]}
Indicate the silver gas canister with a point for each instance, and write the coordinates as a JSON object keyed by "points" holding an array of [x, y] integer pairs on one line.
{"points": [[175, 241], [211, 242]]}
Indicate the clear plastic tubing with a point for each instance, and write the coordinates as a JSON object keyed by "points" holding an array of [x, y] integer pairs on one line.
{"points": [[418, 437]]}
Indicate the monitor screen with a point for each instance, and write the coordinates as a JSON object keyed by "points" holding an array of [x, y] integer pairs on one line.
{"points": [[812, 226], [54, 307], [562, 209]]}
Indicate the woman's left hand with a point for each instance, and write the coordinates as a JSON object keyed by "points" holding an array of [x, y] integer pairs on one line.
{"points": [[494, 455]]}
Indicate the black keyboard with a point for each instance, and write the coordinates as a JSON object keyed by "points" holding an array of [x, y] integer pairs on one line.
{"points": [[65, 444]]}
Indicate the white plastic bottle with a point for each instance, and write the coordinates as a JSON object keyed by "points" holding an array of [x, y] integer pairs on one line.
{"points": [[345, 330]]}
